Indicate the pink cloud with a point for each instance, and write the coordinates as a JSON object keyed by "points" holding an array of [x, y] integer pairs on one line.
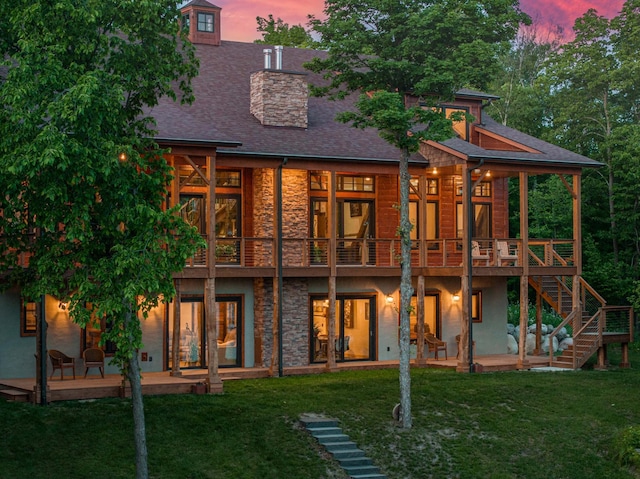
{"points": [[239, 16], [551, 13]]}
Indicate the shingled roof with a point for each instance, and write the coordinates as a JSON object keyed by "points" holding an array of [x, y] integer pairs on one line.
{"points": [[221, 115], [221, 111]]}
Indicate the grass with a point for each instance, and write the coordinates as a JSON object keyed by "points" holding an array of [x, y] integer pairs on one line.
{"points": [[497, 425]]}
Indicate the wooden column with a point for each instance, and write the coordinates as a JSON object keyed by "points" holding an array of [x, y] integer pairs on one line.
{"points": [[523, 362], [175, 342], [538, 349], [420, 356], [213, 376], [577, 253], [332, 258]]}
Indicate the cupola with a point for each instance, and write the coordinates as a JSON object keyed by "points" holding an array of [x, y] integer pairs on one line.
{"points": [[201, 19]]}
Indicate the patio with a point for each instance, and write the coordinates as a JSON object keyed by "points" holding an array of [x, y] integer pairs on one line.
{"points": [[96, 387]]}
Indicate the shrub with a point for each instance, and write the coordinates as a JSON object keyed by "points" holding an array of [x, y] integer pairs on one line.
{"points": [[627, 447]]}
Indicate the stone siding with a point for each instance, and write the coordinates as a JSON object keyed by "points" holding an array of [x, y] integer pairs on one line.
{"points": [[263, 320], [295, 319], [280, 98]]}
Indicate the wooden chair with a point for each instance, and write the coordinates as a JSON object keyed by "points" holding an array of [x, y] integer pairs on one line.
{"points": [[505, 255], [60, 361], [476, 254], [93, 358], [435, 345]]}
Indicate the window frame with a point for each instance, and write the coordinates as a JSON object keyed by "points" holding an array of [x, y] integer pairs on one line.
{"points": [[28, 327], [202, 18]]}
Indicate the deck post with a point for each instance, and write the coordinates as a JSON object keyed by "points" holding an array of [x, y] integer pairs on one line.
{"points": [[333, 272], [175, 346], [213, 377], [420, 357], [523, 362]]}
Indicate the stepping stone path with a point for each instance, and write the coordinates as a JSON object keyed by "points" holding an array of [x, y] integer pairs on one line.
{"points": [[338, 444]]}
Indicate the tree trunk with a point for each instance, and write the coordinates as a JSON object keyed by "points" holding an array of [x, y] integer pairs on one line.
{"points": [[139, 428], [406, 291]]}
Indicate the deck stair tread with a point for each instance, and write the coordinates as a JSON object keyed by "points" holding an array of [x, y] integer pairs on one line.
{"points": [[351, 458], [16, 395]]}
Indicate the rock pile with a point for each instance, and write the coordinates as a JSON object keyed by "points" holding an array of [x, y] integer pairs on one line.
{"points": [[561, 340]]}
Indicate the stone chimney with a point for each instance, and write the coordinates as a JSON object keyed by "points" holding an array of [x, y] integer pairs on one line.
{"points": [[279, 97], [201, 19]]}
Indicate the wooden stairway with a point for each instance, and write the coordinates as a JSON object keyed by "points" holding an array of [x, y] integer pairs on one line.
{"points": [[591, 321]]}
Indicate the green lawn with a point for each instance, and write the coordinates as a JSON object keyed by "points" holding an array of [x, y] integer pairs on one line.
{"points": [[495, 425]]}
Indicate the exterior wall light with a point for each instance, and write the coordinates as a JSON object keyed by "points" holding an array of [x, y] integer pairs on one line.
{"points": [[455, 297], [390, 299]]}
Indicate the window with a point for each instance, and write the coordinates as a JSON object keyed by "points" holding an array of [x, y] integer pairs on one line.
{"points": [[431, 315], [186, 22], [319, 229], [481, 220], [228, 226], [354, 183], [28, 319], [205, 22], [476, 307], [318, 181], [355, 220], [460, 127], [482, 189], [432, 186], [92, 335], [228, 179], [431, 220]]}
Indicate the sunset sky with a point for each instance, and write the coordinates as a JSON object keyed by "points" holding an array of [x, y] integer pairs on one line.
{"points": [[239, 16]]}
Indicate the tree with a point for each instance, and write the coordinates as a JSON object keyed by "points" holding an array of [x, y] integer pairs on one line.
{"points": [[276, 32], [594, 111], [385, 50], [83, 183]]}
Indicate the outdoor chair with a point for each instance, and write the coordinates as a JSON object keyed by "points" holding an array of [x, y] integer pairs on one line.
{"points": [[505, 255], [435, 345], [60, 361], [476, 253], [93, 358]]}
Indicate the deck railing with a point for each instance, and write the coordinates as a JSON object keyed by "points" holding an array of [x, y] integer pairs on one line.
{"points": [[383, 253]]}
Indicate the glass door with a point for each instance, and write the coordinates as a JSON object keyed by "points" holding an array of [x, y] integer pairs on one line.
{"points": [[354, 329], [355, 218], [228, 321], [192, 331]]}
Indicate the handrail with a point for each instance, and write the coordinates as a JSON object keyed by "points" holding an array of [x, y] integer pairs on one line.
{"points": [[593, 292], [556, 330]]}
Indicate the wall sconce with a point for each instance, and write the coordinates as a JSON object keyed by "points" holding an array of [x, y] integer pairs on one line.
{"points": [[455, 297], [435, 170], [62, 306], [390, 300]]}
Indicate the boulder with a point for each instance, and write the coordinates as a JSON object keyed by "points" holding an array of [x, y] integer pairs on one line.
{"points": [[512, 345], [546, 343], [562, 334], [565, 343], [511, 329], [531, 343]]}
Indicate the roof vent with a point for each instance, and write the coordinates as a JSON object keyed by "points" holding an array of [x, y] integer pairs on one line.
{"points": [[267, 58], [278, 57]]}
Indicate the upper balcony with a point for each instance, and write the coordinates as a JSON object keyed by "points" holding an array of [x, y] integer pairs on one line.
{"points": [[315, 256]]}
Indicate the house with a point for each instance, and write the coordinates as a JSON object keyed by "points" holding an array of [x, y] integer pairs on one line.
{"points": [[300, 215]]}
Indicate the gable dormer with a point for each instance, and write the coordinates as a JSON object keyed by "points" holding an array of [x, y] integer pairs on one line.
{"points": [[202, 21]]}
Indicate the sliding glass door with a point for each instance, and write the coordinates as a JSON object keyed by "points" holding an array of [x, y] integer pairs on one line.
{"points": [[354, 329]]}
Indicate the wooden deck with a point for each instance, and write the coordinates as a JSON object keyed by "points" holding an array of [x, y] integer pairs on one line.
{"points": [[96, 387]]}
